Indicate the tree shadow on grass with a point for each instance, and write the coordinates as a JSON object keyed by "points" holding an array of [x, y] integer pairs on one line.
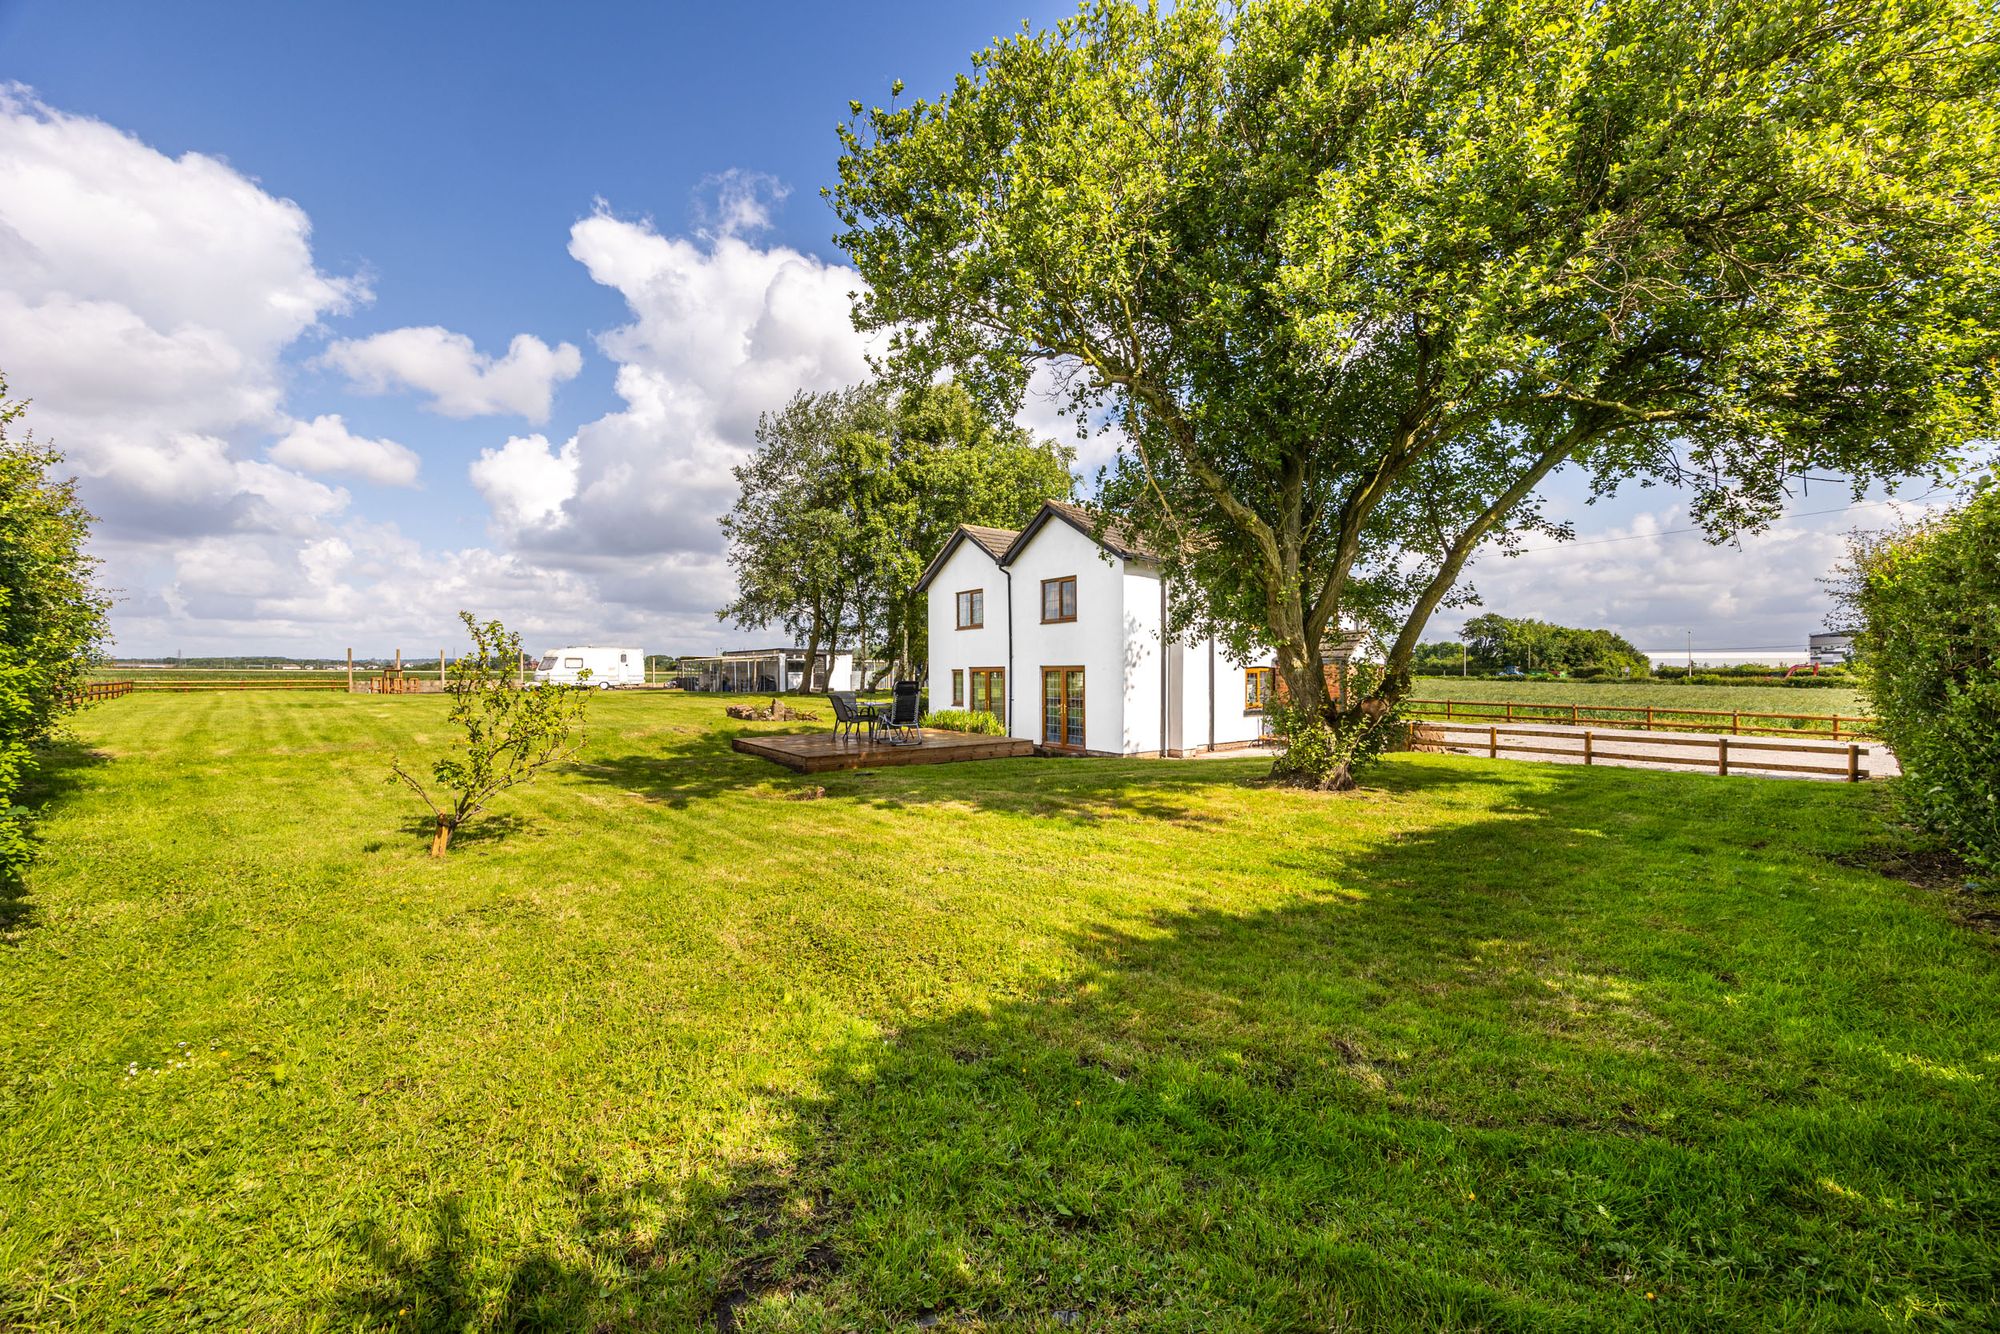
{"points": [[681, 772], [489, 827], [1483, 1072], [1475, 1083], [59, 772]]}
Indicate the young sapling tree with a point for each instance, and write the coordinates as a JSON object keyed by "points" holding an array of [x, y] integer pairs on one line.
{"points": [[511, 733]]}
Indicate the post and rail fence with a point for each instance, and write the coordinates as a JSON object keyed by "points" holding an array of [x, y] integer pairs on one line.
{"points": [[1726, 755], [96, 690], [1647, 718]]}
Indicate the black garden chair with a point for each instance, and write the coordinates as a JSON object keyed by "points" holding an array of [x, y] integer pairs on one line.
{"points": [[848, 715], [899, 724]]}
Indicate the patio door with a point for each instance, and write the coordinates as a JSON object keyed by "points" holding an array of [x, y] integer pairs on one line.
{"points": [[989, 691], [1062, 707]]}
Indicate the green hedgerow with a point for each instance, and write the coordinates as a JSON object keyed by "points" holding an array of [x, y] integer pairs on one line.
{"points": [[1929, 599]]}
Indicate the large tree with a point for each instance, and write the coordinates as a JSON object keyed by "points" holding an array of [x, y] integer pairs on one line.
{"points": [[848, 495], [1356, 279], [797, 541]]}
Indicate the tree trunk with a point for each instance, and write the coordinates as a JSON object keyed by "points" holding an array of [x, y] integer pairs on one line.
{"points": [[812, 654], [1305, 679], [442, 839]]}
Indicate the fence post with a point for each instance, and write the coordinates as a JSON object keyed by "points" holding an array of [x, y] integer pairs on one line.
{"points": [[1836, 727], [1586, 747], [1572, 715], [1510, 711], [1736, 723], [1722, 755], [1853, 763], [1447, 709], [350, 671], [1649, 717], [1492, 743]]}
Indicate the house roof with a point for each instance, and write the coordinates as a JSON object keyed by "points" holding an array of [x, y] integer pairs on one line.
{"points": [[1003, 544], [993, 541], [1115, 537]]}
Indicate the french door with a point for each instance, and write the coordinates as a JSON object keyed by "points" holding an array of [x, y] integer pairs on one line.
{"points": [[1062, 707], [989, 691]]}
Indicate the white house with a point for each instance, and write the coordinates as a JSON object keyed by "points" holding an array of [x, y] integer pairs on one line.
{"points": [[1059, 634]]}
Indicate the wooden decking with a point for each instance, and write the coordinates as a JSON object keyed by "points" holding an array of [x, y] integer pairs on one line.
{"points": [[818, 751]]}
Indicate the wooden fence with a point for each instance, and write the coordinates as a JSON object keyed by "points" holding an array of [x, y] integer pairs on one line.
{"points": [[1725, 755], [1648, 717], [96, 690]]}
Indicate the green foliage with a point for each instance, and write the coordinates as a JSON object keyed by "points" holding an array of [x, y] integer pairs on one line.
{"points": [[976, 721], [1355, 279], [850, 492], [52, 619], [1929, 599], [1329, 751], [1532, 645], [511, 732]]}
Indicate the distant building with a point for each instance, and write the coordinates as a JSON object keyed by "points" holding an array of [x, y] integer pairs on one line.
{"points": [[768, 669], [1835, 648]]}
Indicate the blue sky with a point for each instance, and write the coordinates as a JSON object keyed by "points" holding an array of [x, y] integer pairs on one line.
{"points": [[633, 189]]}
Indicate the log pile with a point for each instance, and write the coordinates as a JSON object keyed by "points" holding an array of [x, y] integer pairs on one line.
{"points": [[778, 712]]}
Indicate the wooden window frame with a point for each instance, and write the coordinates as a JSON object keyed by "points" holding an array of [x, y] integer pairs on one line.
{"points": [[972, 690], [958, 687], [1042, 708], [1060, 579], [1270, 675], [969, 593]]}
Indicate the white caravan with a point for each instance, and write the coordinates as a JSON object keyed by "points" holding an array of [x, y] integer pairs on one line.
{"points": [[608, 667]]}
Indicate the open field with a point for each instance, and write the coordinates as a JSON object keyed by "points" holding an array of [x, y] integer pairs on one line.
{"points": [[1750, 699], [683, 1041]]}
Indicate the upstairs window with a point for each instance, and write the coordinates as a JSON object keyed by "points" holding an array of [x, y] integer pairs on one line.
{"points": [[972, 609], [1258, 683], [1059, 599]]}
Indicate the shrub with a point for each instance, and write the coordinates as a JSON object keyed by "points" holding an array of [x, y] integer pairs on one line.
{"points": [[976, 721], [52, 618], [1928, 596]]}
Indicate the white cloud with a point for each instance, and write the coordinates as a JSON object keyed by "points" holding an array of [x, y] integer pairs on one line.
{"points": [[720, 332], [144, 304], [461, 380], [325, 445], [742, 203], [1652, 581], [525, 482], [88, 210]]}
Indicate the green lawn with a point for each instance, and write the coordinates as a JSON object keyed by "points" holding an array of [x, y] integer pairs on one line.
{"points": [[681, 1042]]}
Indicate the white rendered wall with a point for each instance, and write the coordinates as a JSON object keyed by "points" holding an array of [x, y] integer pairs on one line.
{"points": [[953, 649], [1094, 641], [1142, 654]]}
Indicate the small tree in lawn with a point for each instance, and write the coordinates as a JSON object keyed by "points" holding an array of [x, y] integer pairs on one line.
{"points": [[510, 734]]}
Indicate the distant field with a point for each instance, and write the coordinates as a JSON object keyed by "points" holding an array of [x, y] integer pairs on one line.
{"points": [[1749, 699], [141, 675]]}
